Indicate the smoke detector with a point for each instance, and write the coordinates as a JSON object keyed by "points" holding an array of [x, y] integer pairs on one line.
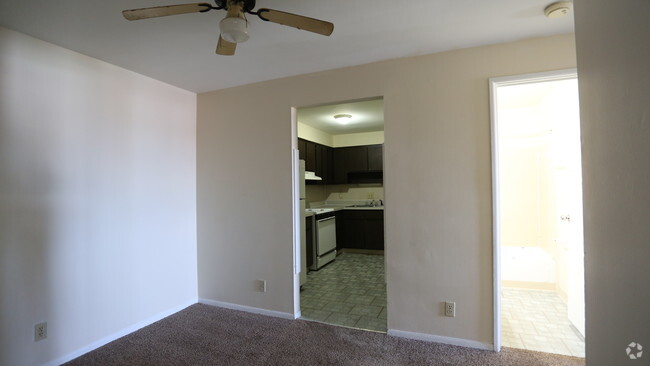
{"points": [[558, 9]]}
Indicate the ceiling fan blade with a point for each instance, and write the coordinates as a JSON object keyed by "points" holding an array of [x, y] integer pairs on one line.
{"points": [[225, 48], [161, 11], [296, 21]]}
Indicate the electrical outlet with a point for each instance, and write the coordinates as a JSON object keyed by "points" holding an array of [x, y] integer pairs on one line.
{"points": [[40, 331], [450, 309], [261, 285]]}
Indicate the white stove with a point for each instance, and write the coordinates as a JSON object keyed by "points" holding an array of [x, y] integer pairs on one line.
{"points": [[325, 236]]}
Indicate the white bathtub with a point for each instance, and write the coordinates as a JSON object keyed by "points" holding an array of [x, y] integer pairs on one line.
{"points": [[527, 264]]}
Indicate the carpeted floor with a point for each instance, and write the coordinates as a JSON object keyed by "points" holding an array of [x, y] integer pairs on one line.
{"points": [[207, 335]]}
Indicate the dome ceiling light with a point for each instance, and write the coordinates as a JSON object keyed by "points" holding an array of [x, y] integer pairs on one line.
{"points": [[342, 118]]}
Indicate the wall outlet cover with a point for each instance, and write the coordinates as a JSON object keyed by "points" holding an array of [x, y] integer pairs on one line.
{"points": [[450, 309], [40, 331], [261, 285]]}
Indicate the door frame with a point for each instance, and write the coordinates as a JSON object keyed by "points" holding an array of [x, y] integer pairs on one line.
{"points": [[296, 213], [495, 83]]}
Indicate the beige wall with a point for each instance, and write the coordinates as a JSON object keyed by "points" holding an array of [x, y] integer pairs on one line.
{"points": [[527, 195], [344, 192], [437, 181], [359, 139], [97, 200], [315, 135], [355, 192], [614, 78], [350, 139]]}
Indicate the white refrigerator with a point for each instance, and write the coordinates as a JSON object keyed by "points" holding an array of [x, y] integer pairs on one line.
{"points": [[303, 232]]}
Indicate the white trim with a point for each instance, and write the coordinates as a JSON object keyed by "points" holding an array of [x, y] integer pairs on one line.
{"points": [[496, 213], [494, 83], [248, 309], [297, 215], [440, 339], [537, 77], [119, 334]]}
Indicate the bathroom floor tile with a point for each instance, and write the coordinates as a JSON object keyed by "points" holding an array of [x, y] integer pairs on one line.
{"points": [[537, 320]]}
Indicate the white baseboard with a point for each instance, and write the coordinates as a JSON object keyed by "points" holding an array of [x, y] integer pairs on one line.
{"points": [[440, 339], [248, 309], [120, 334]]}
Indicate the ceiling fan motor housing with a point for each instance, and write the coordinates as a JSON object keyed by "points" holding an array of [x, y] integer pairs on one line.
{"points": [[247, 5]]}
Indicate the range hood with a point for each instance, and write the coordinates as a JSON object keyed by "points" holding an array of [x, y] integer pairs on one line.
{"points": [[311, 176]]}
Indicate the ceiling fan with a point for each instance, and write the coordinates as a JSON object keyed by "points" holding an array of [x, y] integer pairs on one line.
{"points": [[234, 27]]}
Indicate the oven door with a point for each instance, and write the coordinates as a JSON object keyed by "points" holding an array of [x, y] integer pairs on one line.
{"points": [[326, 235]]}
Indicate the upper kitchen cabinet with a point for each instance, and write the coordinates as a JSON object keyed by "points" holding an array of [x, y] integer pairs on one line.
{"points": [[375, 157], [302, 149], [318, 159], [310, 156], [356, 128], [324, 163], [356, 158], [358, 164], [343, 165]]}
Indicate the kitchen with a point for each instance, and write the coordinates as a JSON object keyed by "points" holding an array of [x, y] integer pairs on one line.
{"points": [[342, 277]]}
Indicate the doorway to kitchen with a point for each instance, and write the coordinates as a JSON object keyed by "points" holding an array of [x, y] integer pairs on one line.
{"points": [[340, 153], [537, 197]]}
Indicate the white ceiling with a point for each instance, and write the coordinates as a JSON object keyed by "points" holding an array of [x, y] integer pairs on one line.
{"points": [[367, 116], [179, 49]]}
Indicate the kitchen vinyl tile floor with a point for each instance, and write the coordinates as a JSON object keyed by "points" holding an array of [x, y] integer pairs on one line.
{"points": [[351, 291], [537, 320]]}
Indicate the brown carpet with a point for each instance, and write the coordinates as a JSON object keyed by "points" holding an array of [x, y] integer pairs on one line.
{"points": [[207, 335]]}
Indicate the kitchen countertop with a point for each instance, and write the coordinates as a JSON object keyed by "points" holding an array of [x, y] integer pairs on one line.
{"points": [[346, 205], [364, 208]]}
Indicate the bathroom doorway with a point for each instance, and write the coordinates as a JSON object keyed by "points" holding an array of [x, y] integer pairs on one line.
{"points": [[537, 195]]}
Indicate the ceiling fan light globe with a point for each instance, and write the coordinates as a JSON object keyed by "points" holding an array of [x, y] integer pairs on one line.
{"points": [[234, 29]]}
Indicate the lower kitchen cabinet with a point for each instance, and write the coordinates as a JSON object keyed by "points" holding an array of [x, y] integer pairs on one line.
{"points": [[360, 229], [374, 231]]}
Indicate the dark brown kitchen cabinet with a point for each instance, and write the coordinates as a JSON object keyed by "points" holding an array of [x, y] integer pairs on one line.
{"points": [[356, 158], [358, 164], [339, 174], [348, 233], [310, 156], [324, 163], [318, 159], [302, 149], [374, 230], [343, 165], [360, 229], [375, 158]]}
